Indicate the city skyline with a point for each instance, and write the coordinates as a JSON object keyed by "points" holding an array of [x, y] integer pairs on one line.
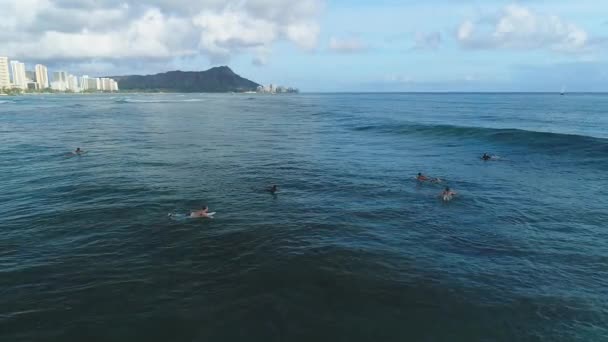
{"points": [[15, 75]]}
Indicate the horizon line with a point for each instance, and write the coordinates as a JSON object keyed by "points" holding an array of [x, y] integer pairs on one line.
{"points": [[455, 92]]}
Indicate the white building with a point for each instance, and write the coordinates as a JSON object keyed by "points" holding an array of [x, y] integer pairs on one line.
{"points": [[60, 81], [42, 76], [19, 79], [106, 84], [72, 84], [84, 82], [92, 84], [114, 85], [5, 80]]}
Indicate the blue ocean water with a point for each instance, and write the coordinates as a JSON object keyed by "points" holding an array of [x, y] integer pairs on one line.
{"points": [[352, 248]]}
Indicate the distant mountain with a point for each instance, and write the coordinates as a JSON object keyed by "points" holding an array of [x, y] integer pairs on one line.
{"points": [[215, 80]]}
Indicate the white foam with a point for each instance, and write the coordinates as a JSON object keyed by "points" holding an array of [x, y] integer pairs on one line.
{"points": [[128, 100]]}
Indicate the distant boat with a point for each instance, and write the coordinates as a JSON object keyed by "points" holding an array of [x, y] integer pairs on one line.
{"points": [[563, 91]]}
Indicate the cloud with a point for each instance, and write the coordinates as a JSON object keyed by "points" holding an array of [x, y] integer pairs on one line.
{"points": [[347, 45], [517, 27], [82, 30], [427, 40]]}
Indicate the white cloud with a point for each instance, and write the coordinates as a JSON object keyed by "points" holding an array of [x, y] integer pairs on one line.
{"points": [[151, 36], [47, 30], [222, 33], [518, 27], [347, 45]]}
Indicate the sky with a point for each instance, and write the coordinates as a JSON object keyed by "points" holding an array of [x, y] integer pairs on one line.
{"points": [[323, 45]]}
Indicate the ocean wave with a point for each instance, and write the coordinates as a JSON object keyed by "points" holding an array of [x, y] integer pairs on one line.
{"points": [[127, 100], [555, 142], [6, 101]]}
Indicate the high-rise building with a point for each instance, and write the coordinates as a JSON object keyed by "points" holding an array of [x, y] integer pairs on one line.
{"points": [[106, 84], [72, 83], [5, 80], [18, 71], [84, 82], [60, 81], [92, 84], [30, 76], [42, 76]]}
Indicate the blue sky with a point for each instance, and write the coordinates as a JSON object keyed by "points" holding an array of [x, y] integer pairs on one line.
{"points": [[433, 45], [391, 60]]}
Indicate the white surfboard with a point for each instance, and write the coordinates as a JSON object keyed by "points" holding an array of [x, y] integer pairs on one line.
{"points": [[178, 216]]}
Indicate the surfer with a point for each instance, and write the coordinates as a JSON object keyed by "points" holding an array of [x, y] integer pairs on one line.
{"points": [[447, 194], [486, 157], [273, 189], [422, 178], [77, 152], [203, 213]]}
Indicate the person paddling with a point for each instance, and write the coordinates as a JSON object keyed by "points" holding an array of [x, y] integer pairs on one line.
{"points": [[203, 213], [422, 178]]}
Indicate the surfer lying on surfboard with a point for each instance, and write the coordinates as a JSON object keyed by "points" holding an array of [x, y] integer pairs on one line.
{"points": [[422, 178], [487, 157], [77, 152], [203, 213]]}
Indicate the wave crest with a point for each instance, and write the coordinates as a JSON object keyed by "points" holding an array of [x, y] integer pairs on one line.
{"points": [[128, 100], [548, 141]]}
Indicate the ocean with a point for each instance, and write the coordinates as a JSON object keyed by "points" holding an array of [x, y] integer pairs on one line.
{"points": [[351, 248]]}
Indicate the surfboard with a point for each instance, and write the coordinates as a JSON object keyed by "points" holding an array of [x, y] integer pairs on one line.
{"points": [[209, 215], [178, 216]]}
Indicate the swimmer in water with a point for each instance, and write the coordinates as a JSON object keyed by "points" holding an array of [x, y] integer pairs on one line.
{"points": [[486, 157], [422, 178], [77, 152], [273, 189], [447, 194], [203, 213]]}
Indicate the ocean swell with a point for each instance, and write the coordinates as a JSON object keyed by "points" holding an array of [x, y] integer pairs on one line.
{"points": [[548, 141]]}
